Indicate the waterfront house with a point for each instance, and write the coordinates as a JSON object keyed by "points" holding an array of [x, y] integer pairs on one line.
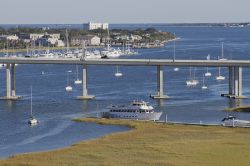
{"points": [[90, 40]]}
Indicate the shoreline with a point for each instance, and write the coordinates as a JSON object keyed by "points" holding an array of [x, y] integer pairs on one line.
{"points": [[44, 49], [148, 143]]}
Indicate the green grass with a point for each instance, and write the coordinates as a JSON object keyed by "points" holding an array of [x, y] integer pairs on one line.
{"points": [[239, 109], [150, 144]]}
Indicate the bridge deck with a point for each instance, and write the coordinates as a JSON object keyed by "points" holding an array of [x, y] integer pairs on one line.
{"points": [[132, 62]]}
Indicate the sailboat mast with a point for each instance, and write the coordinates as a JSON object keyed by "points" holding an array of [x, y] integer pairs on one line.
{"points": [[194, 72], [190, 73], [174, 49], [203, 80], [31, 101], [68, 78], [67, 40], [76, 72], [222, 50]]}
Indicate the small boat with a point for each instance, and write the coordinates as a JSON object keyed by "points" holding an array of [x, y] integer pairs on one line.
{"points": [[208, 74], [176, 69], [138, 110], [118, 74], [77, 81], [222, 53], [68, 88], [32, 121], [232, 121], [204, 87], [220, 77], [43, 72], [192, 81]]}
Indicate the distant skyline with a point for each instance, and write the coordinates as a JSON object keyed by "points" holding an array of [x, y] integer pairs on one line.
{"points": [[126, 11]]}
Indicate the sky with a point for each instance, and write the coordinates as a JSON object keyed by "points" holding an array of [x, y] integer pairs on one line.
{"points": [[123, 11]]}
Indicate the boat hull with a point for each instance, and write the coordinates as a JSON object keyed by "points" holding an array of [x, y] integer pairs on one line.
{"points": [[236, 123], [135, 116]]}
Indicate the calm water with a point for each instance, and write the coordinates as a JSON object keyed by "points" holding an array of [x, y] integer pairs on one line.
{"points": [[55, 108]]}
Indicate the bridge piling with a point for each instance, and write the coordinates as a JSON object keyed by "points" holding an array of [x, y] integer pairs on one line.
{"points": [[10, 83], [160, 83], [235, 83], [85, 95], [13, 80]]}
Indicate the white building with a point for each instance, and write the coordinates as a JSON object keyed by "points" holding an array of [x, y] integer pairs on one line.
{"points": [[12, 37], [92, 26], [90, 40], [35, 36]]}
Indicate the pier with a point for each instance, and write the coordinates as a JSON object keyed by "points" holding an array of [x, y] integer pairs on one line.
{"points": [[235, 67]]}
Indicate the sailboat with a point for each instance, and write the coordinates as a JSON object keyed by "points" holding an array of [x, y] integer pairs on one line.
{"points": [[118, 74], [77, 81], [220, 77], [176, 68], [208, 74], [32, 121], [204, 87], [222, 53], [191, 81], [68, 87]]}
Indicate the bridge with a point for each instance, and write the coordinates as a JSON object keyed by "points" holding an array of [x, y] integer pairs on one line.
{"points": [[234, 68]]}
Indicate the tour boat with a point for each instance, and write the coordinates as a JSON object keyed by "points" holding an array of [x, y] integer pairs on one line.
{"points": [[32, 121], [192, 81], [118, 74], [68, 88], [232, 121], [138, 110]]}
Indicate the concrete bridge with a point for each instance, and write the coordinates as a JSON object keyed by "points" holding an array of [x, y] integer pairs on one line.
{"points": [[234, 67]]}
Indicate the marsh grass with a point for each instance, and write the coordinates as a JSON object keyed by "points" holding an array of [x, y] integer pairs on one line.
{"points": [[150, 144], [239, 109]]}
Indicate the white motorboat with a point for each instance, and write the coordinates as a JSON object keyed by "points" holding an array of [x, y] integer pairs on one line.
{"points": [[138, 110], [220, 77], [192, 81], [32, 121], [232, 121], [110, 52]]}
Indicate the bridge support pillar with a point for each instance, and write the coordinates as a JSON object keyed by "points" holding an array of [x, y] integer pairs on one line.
{"points": [[235, 83], [160, 83], [13, 81], [85, 95], [10, 83]]}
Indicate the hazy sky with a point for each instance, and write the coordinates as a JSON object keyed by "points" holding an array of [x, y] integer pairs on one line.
{"points": [[123, 11]]}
